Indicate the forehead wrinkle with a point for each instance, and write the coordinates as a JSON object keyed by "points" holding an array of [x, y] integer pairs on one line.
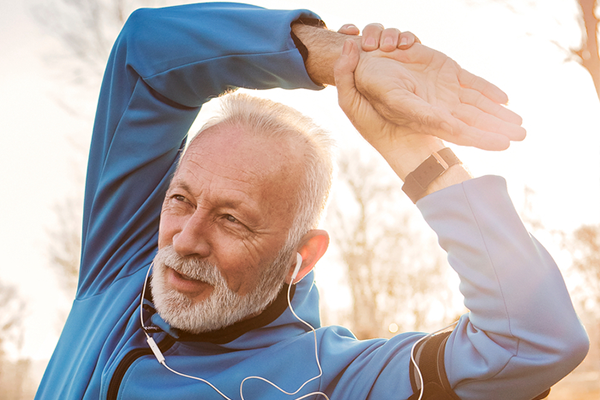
{"points": [[267, 170], [230, 200], [248, 174]]}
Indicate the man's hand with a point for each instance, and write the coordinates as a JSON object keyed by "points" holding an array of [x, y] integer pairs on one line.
{"points": [[324, 46], [417, 87], [426, 92], [402, 147]]}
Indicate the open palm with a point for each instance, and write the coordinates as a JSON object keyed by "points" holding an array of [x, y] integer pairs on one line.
{"points": [[423, 91]]}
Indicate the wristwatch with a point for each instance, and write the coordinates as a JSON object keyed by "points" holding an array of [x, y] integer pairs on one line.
{"points": [[434, 166]]}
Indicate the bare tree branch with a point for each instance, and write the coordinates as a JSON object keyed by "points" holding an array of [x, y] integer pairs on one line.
{"points": [[12, 309], [587, 54]]}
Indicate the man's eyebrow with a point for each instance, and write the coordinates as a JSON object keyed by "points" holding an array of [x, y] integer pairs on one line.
{"points": [[179, 183]]}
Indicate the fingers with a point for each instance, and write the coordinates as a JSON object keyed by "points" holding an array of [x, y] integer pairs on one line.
{"points": [[480, 120], [466, 135], [349, 29], [347, 62], [476, 99], [389, 39], [482, 112], [375, 36], [438, 122], [407, 39], [371, 36], [491, 91]]}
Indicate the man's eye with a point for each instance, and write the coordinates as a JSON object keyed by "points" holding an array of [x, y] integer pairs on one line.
{"points": [[231, 218]]}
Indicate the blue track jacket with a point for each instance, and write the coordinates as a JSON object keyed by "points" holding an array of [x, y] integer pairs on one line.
{"points": [[520, 336]]}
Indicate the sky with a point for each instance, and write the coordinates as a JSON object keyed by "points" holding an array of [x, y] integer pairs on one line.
{"points": [[519, 50]]}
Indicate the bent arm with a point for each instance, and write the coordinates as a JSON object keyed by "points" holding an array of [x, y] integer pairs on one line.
{"points": [[522, 334], [165, 64]]}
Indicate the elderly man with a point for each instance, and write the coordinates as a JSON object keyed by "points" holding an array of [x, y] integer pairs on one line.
{"points": [[229, 309]]}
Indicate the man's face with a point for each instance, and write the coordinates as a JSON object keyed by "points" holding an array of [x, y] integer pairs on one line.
{"points": [[230, 205]]}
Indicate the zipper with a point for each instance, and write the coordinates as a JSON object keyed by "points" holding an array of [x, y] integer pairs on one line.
{"points": [[130, 358]]}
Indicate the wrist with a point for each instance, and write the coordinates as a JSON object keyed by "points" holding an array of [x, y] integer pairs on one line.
{"points": [[409, 152], [454, 175], [324, 48], [418, 182], [410, 157]]}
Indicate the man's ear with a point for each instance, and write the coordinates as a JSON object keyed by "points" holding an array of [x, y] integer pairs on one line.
{"points": [[312, 247]]}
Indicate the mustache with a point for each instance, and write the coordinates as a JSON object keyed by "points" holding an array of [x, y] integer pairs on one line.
{"points": [[190, 266]]}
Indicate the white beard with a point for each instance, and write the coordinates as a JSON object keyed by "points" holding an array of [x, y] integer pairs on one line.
{"points": [[223, 307]]}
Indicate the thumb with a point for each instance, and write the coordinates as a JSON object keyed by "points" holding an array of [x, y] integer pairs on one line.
{"points": [[344, 74]]}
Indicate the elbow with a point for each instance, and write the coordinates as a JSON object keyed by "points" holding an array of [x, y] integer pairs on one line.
{"points": [[567, 351], [142, 27], [553, 356], [577, 346], [138, 20]]}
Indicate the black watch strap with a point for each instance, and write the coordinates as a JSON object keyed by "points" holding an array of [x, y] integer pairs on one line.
{"points": [[416, 182]]}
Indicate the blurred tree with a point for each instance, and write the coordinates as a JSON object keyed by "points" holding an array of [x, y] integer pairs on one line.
{"points": [[13, 374], [395, 275], [584, 246], [15, 383], [12, 310], [86, 29], [65, 238], [587, 54]]}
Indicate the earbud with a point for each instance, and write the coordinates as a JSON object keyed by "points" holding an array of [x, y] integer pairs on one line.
{"points": [[298, 265]]}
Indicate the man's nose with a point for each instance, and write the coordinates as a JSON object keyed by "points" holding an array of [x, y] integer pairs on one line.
{"points": [[192, 239]]}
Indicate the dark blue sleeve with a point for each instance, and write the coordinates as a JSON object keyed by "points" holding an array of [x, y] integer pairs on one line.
{"points": [[164, 65]]}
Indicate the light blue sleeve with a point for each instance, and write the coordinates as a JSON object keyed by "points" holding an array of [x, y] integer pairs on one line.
{"points": [[164, 65], [521, 334]]}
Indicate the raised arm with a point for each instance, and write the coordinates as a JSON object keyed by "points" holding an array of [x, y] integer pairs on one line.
{"points": [[165, 64], [521, 334]]}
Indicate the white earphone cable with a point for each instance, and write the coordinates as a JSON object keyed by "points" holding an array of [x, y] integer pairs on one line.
{"points": [[161, 358], [412, 355], [316, 358]]}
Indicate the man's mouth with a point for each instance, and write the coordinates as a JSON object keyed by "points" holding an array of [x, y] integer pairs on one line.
{"points": [[187, 285], [185, 277]]}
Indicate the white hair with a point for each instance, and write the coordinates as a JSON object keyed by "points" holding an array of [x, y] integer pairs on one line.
{"points": [[277, 121]]}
